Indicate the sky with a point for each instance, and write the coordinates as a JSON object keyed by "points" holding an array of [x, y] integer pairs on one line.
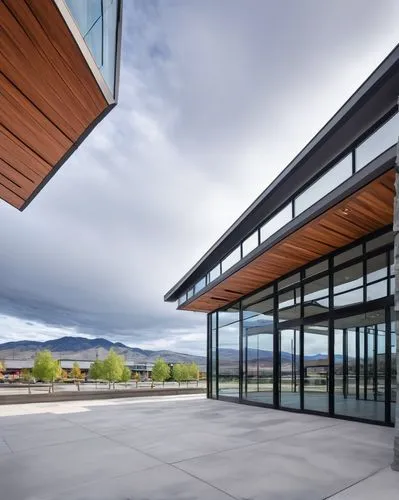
{"points": [[215, 99]]}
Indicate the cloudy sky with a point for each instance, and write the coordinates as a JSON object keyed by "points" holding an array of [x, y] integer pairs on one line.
{"points": [[216, 97]]}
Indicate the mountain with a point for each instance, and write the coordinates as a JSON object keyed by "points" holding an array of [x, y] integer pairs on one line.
{"points": [[83, 348]]}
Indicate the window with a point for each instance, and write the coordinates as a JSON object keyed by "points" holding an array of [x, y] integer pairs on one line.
{"points": [[190, 293], [350, 254], [275, 223], [382, 139], [294, 278], [316, 300], [231, 259], [214, 273], [348, 285], [384, 239], [250, 244], [323, 186], [316, 269], [289, 305], [182, 299], [200, 285]]}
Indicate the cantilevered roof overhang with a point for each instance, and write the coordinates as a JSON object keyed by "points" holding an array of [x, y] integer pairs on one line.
{"points": [[51, 94], [369, 193]]}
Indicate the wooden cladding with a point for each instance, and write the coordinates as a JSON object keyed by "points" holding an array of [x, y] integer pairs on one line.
{"points": [[365, 211], [48, 95]]}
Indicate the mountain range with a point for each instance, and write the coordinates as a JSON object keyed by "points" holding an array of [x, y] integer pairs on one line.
{"points": [[82, 348]]}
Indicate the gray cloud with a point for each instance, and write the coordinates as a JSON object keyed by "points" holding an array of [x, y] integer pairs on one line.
{"points": [[215, 99]]}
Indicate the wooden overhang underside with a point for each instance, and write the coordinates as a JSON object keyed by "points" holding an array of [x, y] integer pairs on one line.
{"points": [[49, 98], [364, 212]]}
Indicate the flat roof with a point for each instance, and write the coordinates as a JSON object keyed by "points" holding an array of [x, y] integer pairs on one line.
{"points": [[376, 97]]}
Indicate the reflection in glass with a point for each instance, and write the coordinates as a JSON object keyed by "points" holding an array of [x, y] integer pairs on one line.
{"points": [[231, 259], [213, 364], [97, 22], [359, 354], [316, 300], [289, 305], [316, 367], [382, 139], [393, 366], [229, 360], [294, 278], [317, 268], [214, 273], [289, 380], [182, 299], [384, 239], [348, 285], [350, 254], [250, 243], [200, 285], [327, 182], [275, 223], [258, 358]]}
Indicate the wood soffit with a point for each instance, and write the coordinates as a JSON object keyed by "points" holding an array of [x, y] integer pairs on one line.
{"points": [[363, 212], [48, 96]]}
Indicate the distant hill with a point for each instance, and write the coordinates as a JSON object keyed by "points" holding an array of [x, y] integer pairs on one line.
{"points": [[83, 348]]}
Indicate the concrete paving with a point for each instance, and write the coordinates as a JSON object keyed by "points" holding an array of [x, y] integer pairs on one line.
{"points": [[188, 448]]}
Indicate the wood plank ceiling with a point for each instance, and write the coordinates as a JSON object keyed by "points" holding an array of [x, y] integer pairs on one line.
{"points": [[48, 96], [365, 211]]}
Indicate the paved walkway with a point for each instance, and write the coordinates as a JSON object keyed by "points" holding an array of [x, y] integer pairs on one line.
{"points": [[188, 448]]}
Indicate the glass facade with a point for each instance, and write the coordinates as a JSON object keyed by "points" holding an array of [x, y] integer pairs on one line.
{"points": [[378, 141], [97, 22], [319, 340]]}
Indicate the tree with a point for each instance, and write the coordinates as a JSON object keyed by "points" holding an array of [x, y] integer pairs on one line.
{"points": [[26, 376], [160, 371], [64, 374], [46, 368], [136, 377], [193, 372], [113, 367], [177, 373], [126, 375], [2, 369], [185, 374], [96, 371], [76, 374]]}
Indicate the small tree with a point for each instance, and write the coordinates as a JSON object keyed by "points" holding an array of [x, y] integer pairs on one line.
{"points": [[46, 368], [76, 374], [113, 367], [2, 369], [96, 371], [185, 372], [64, 374], [160, 371], [126, 375], [193, 372], [26, 376], [177, 373], [136, 377]]}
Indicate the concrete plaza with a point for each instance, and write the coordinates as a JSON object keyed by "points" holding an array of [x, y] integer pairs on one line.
{"points": [[188, 448]]}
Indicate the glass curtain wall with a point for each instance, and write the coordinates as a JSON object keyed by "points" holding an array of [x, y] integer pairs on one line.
{"points": [[319, 340]]}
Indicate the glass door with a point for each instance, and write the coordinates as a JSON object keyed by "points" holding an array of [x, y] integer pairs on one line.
{"points": [[289, 376]]}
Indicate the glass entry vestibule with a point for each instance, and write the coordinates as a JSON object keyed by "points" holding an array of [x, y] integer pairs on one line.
{"points": [[321, 340]]}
